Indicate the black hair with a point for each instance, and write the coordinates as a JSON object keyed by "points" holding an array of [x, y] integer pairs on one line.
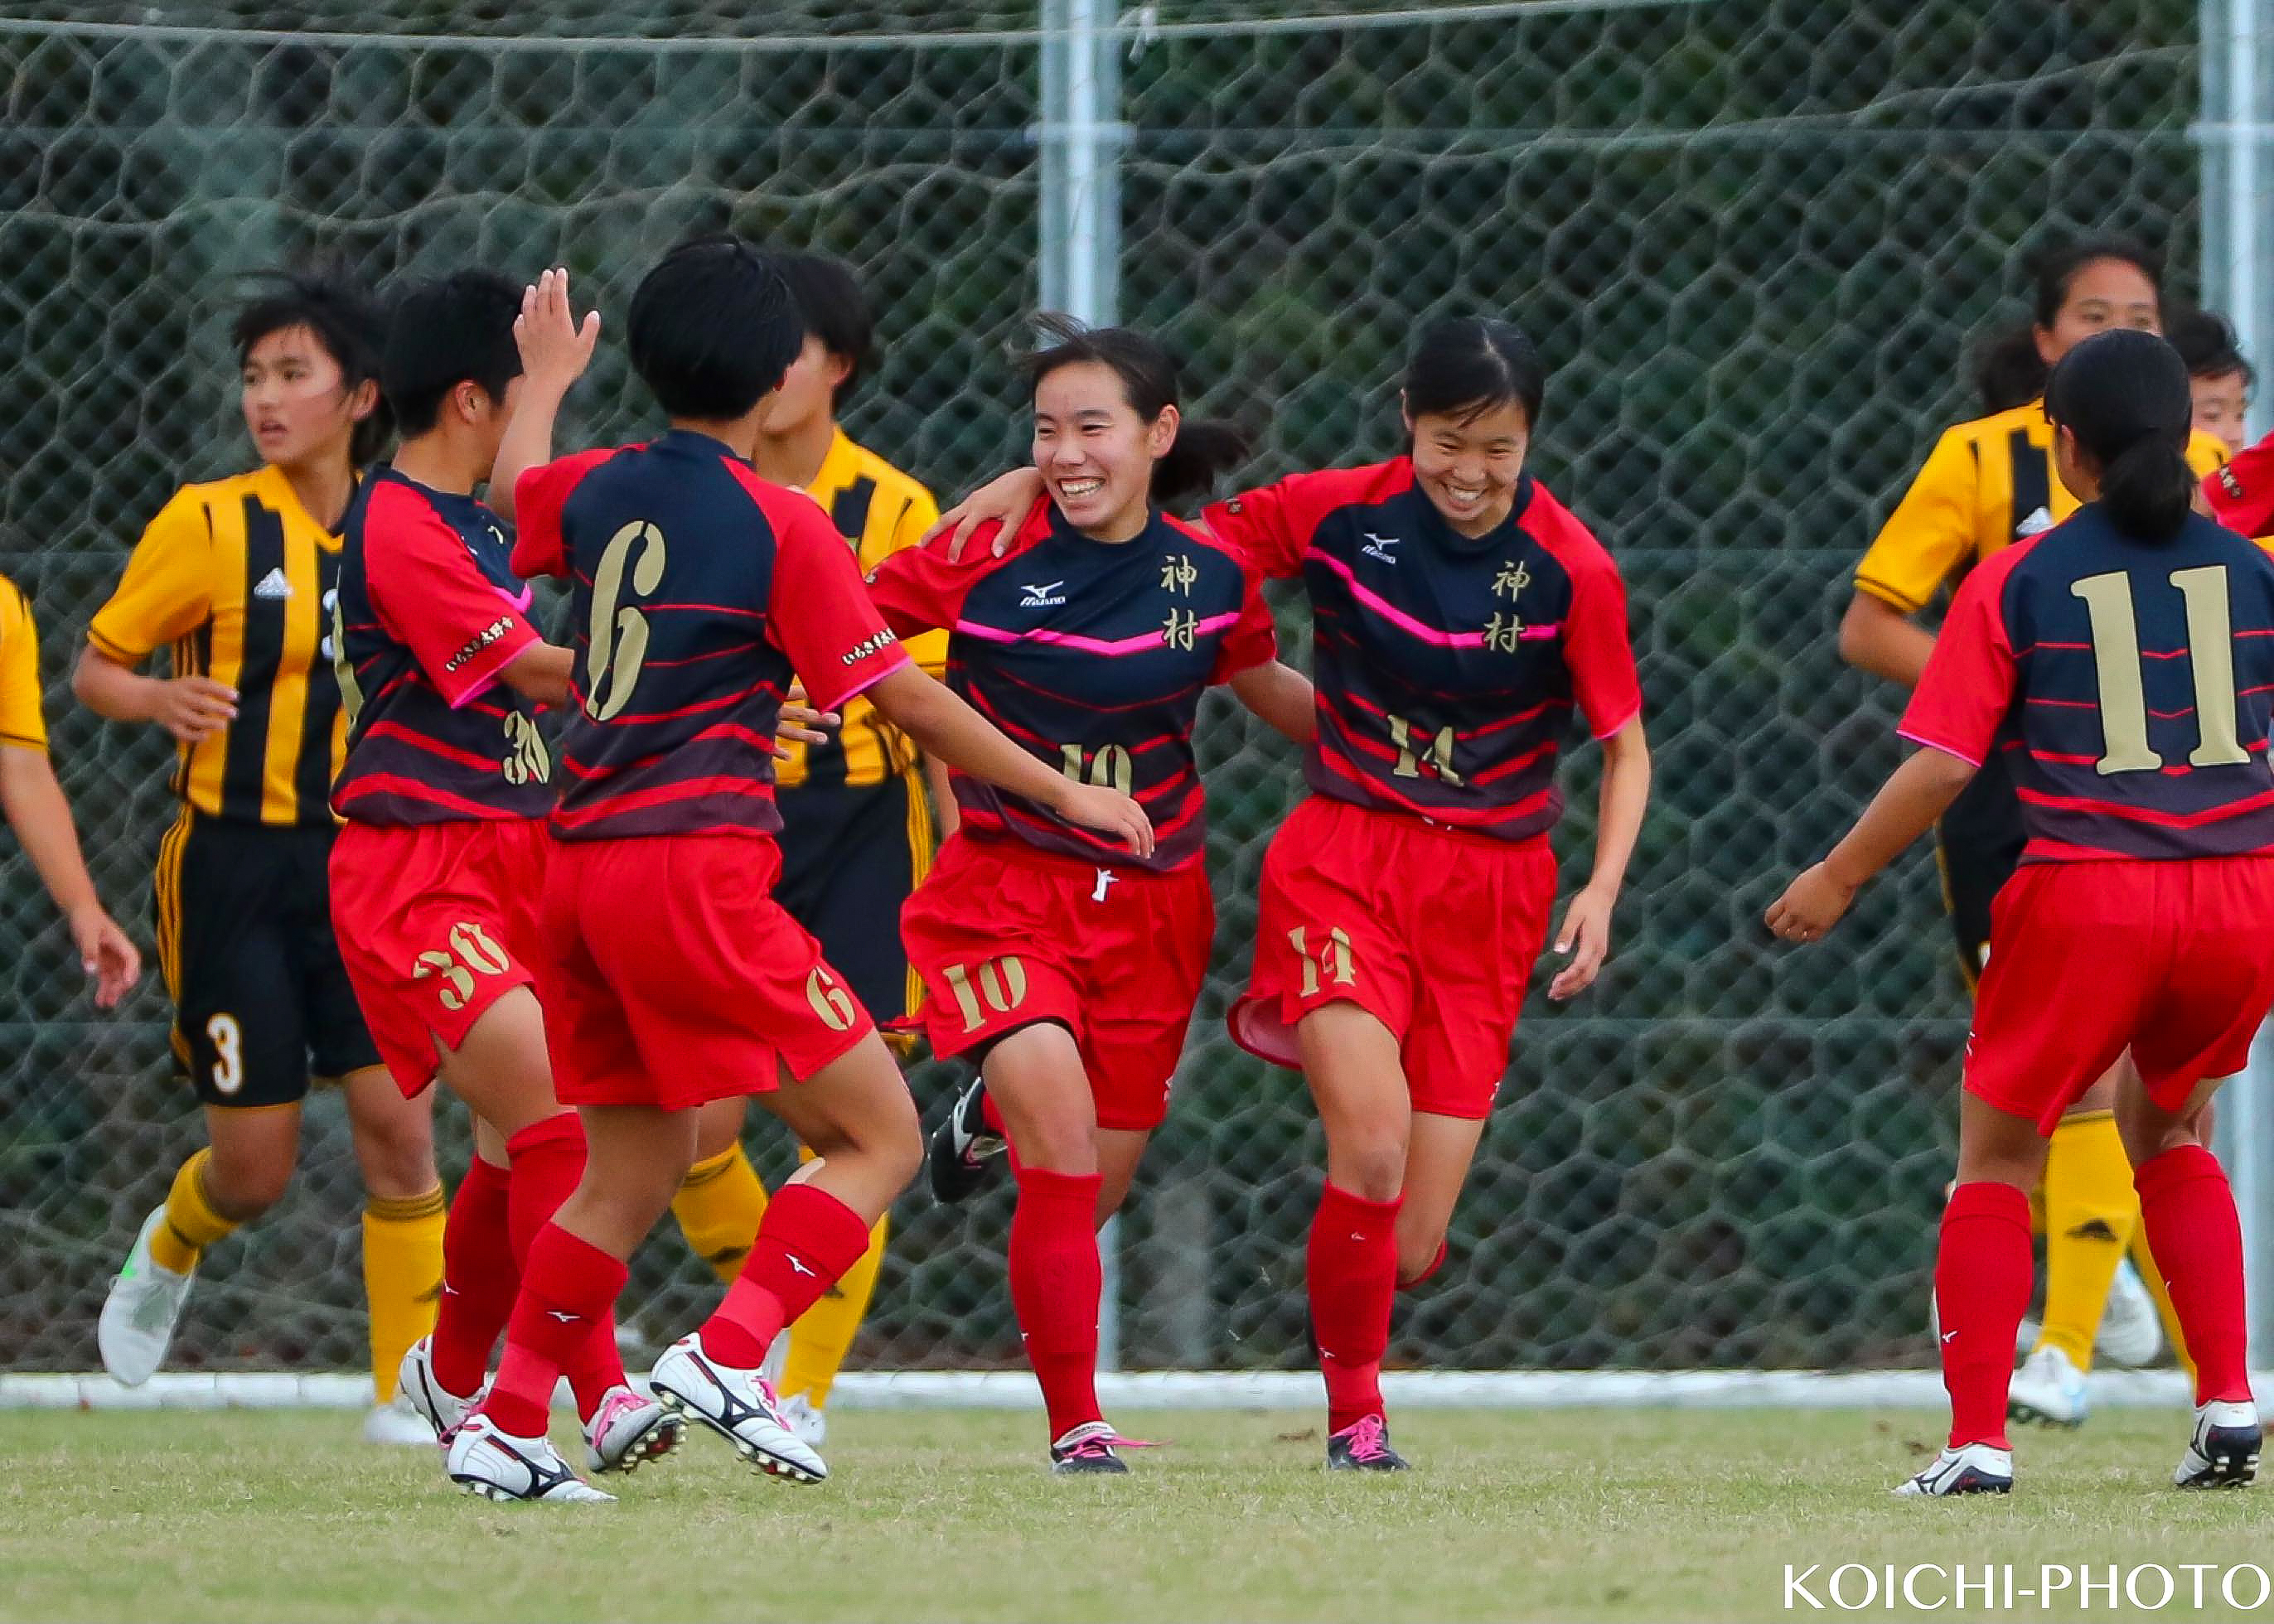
{"points": [[2207, 343], [456, 329], [836, 311], [2007, 370], [1464, 366], [348, 322], [2124, 395], [1204, 446], [713, 327]]}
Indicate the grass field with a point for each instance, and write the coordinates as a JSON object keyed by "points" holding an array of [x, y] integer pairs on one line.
{"points": [[1662, 1514]]}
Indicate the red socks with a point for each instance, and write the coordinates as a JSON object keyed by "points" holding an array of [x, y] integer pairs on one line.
{"points": [[1056, 1281], [2189, 1208], [548, 1160], [568, 1288], [806, 1240], [480, 1279], [1983, 1271], [1354, 1274]]}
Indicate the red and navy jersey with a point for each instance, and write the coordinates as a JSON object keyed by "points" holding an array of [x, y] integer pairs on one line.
{"points": [[428, 613], [697, 589], [2130, 686], [1447, 666], [1093, 656]]}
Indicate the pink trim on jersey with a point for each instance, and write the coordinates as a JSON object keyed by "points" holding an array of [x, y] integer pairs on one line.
{"points": [[1621, 724], [1974, 762], [1093, 645], [1398, 618], [869, 680]]}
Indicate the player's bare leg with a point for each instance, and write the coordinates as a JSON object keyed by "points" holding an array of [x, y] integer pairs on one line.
{"points": [[244, 1171], [403, 1228], [2196, 1236], [856, 1116], [1984, 1269], [1352, 1062], [1118, 1152], [1039, 1085], [1438, 1152]]}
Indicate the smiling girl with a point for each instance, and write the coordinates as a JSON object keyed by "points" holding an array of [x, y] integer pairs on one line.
{"points": [[1065, 967], [1461, 615]]}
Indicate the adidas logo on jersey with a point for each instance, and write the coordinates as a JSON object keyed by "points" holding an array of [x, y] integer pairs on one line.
{"points": [[1046, 595], [273, 585], [2036, 524]]}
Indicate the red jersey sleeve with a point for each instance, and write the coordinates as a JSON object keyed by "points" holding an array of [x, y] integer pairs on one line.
{"points": [[434, 600], [918, 590], [820, 613], [1968, 687], [1597, 649], [1267, 525], [538, 496], [2241, 493], [1253, 639]]}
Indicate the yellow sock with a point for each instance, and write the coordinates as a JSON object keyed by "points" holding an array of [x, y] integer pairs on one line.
{"points": [[192, 1225], [2146, 1262], [402, 1277], [2091, 1211], [824, 1334], [719, 1205]]}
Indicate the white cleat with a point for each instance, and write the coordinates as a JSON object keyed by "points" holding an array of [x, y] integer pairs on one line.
{"points": [[1976, 1469], [496, 1465], [737, 1404], [805, 1420], [2131, 1331], [138, 1316], [397, 1423], [2048, 1390], [626, 1431], [2223, 1454], [417, 1386]]}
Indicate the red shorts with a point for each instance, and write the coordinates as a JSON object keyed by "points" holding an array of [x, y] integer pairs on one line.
{"points": [[436, 922], [673, 978], [1434, 931], [1005, 936], [2173, 959]]}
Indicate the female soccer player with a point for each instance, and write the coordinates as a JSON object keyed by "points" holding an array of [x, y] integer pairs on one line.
{"points": [[34, 805], [1461, 612], [2123, 666], [237, 578], [1987, 484], [2217, 374], [1065, 968], [672, 977], [436, 876]]}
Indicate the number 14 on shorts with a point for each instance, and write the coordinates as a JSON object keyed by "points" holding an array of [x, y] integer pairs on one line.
{"points": [[1331, 964]]}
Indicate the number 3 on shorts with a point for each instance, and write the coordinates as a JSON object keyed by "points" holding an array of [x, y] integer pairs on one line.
{"points": [[1332, 961], [229, 1049]]}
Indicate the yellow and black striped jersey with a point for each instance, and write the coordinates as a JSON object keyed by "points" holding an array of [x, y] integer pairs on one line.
{"points": [[878, 510], [22, 721], [238, 579], [1986, 484]]}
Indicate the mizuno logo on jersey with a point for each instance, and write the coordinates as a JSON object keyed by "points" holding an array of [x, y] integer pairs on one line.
{"points": [[273, 585], [1044, 596], [2036, 524], [867, 646], [1379, 547]]}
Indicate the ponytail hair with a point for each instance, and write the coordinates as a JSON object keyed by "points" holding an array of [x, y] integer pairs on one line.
{"points": [[2007, 371], [1204, 447], [2124, 395]]}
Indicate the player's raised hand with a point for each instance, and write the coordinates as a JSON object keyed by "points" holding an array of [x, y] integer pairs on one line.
{"points": [[1008, 499], [1093, 805], [555, 350], [107, 953], [1810, 906], [194, 709], [800, 721], [1585, 941]]}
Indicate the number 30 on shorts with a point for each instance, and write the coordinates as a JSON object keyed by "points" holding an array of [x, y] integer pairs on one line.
{"points": [[1331, 966], [471, 952]]}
